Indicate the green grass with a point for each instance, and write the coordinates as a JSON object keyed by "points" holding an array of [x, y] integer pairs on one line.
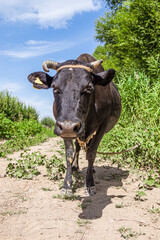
{"points": [[14, 109], [82, 223], [139, 123], [127, 233], [19, 125], [67, 197], [26, 167], [22, 141], [154, 210], [11, 213]]}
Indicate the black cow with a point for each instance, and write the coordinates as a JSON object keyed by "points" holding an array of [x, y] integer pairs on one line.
{"points": [[86, 106]]}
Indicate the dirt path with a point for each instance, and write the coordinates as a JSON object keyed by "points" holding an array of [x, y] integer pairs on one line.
{"points": [[27, 212]]}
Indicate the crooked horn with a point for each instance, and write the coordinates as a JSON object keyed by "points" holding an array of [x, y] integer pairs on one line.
{"points": [[49, 64], [96, 63]]}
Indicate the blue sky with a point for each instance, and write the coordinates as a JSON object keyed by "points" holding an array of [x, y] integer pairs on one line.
{"points": [[32, 31]]}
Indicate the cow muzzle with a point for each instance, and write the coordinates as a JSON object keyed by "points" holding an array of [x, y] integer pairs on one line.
{"points": [[67, 129]]}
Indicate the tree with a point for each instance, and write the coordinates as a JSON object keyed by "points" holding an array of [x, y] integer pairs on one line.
{"points": [[114, 4], [131, 36]]}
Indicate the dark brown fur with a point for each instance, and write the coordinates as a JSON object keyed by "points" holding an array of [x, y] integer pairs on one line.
{"points": [[84, 103]]}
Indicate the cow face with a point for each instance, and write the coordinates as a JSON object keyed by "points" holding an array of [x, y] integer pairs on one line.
{"points": [[73, 90]]}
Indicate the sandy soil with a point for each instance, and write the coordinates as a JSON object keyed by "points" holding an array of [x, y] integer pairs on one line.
{"points": [[27, 212]]}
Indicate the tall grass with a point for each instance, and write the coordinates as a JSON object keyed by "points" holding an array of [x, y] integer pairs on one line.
{"points": [[139, 122], [19, 125], [14, 109]]}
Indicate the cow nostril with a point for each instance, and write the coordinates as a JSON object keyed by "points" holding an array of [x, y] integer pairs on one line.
{"points": [[67, 128], [60, 126], [77, 127]]}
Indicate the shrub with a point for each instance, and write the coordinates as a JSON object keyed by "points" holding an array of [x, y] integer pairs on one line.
{"points": [[48, 121], [139, 122], [19, 125], [14, 109]]}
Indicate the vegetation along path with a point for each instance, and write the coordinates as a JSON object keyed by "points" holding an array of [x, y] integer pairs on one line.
{"points": [[31, 208]]}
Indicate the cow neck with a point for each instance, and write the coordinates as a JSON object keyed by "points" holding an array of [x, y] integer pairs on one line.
{"points": [[84, 143], [88, 69]]}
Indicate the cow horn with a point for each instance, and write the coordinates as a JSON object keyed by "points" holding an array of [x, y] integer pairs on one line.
{"points": [[49, 64], [96, 63]]}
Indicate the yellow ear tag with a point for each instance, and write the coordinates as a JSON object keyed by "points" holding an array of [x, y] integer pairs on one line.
{"points": [[38, 81], [36, 88]]}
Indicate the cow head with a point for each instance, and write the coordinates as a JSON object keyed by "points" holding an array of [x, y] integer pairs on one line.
{"points": [[73, 88]]}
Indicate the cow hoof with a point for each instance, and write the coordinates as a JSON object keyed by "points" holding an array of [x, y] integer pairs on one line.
{"points": [[90, 191], [67, 192]]}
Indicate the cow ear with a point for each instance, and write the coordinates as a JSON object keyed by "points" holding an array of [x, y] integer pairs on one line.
{"points": [[40, 80], [104, 78]]}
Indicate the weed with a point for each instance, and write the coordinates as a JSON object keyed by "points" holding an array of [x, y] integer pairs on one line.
{"points": [[67, 197], [153, 180], [139, 123], [82, 223], [19, 125], [20, 196], [140, 196], [119, 205], [88, 200], [11, 213], [127, 233], [78, 181], [22, 139], [26, 166], [55, 168], [60, 184], [61, 143], [154, 210], [46, 189], [82, 205]]}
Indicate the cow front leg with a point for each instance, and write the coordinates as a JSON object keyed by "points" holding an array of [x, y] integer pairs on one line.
{"points": [[90, 156], [75, 165], [67, 185], [90, 186]]}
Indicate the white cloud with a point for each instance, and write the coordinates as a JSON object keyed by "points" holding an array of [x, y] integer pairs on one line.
{"points": [[11, 87], [35, 100], [46, 13], [43, 106], [34, 48]]}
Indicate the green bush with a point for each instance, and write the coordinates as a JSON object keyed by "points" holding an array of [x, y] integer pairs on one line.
{"points": [[26, 167], [19, 125], [10, 129], [14, 109], [48, 121], [139, 122], [22, 141]]}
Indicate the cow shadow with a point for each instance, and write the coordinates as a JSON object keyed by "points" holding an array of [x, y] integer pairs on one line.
{"points": [[105, 177]]}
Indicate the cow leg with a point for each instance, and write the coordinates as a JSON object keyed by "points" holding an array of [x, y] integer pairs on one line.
{"points": [[67, 186], [90, 156], [90, 187], [75, 165]]}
